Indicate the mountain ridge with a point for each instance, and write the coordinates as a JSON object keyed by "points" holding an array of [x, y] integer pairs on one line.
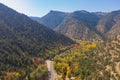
{"points": [[98, 22]]}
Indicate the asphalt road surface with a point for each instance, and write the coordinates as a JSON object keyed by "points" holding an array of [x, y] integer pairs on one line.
{"points": [[50, 69]]}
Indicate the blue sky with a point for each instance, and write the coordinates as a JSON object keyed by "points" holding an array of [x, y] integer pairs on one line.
{"points": [[42, 7]]}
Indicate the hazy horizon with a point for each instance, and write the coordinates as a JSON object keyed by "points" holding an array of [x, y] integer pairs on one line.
{"points": [[41, 8]]}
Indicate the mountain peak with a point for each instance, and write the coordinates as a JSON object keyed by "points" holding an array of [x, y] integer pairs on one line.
{"points": [[82, 11], [55, 12], [53, 18]]}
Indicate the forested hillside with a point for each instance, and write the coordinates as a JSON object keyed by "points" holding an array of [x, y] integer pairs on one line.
{"points": [[22, 41], [90, 61]]}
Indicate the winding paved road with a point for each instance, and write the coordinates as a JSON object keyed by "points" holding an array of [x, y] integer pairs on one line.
{"points": [[50, 69]]}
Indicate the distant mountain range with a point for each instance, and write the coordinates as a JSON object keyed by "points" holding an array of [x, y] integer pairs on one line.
{"points": [[52, 19], [83, 25]]}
